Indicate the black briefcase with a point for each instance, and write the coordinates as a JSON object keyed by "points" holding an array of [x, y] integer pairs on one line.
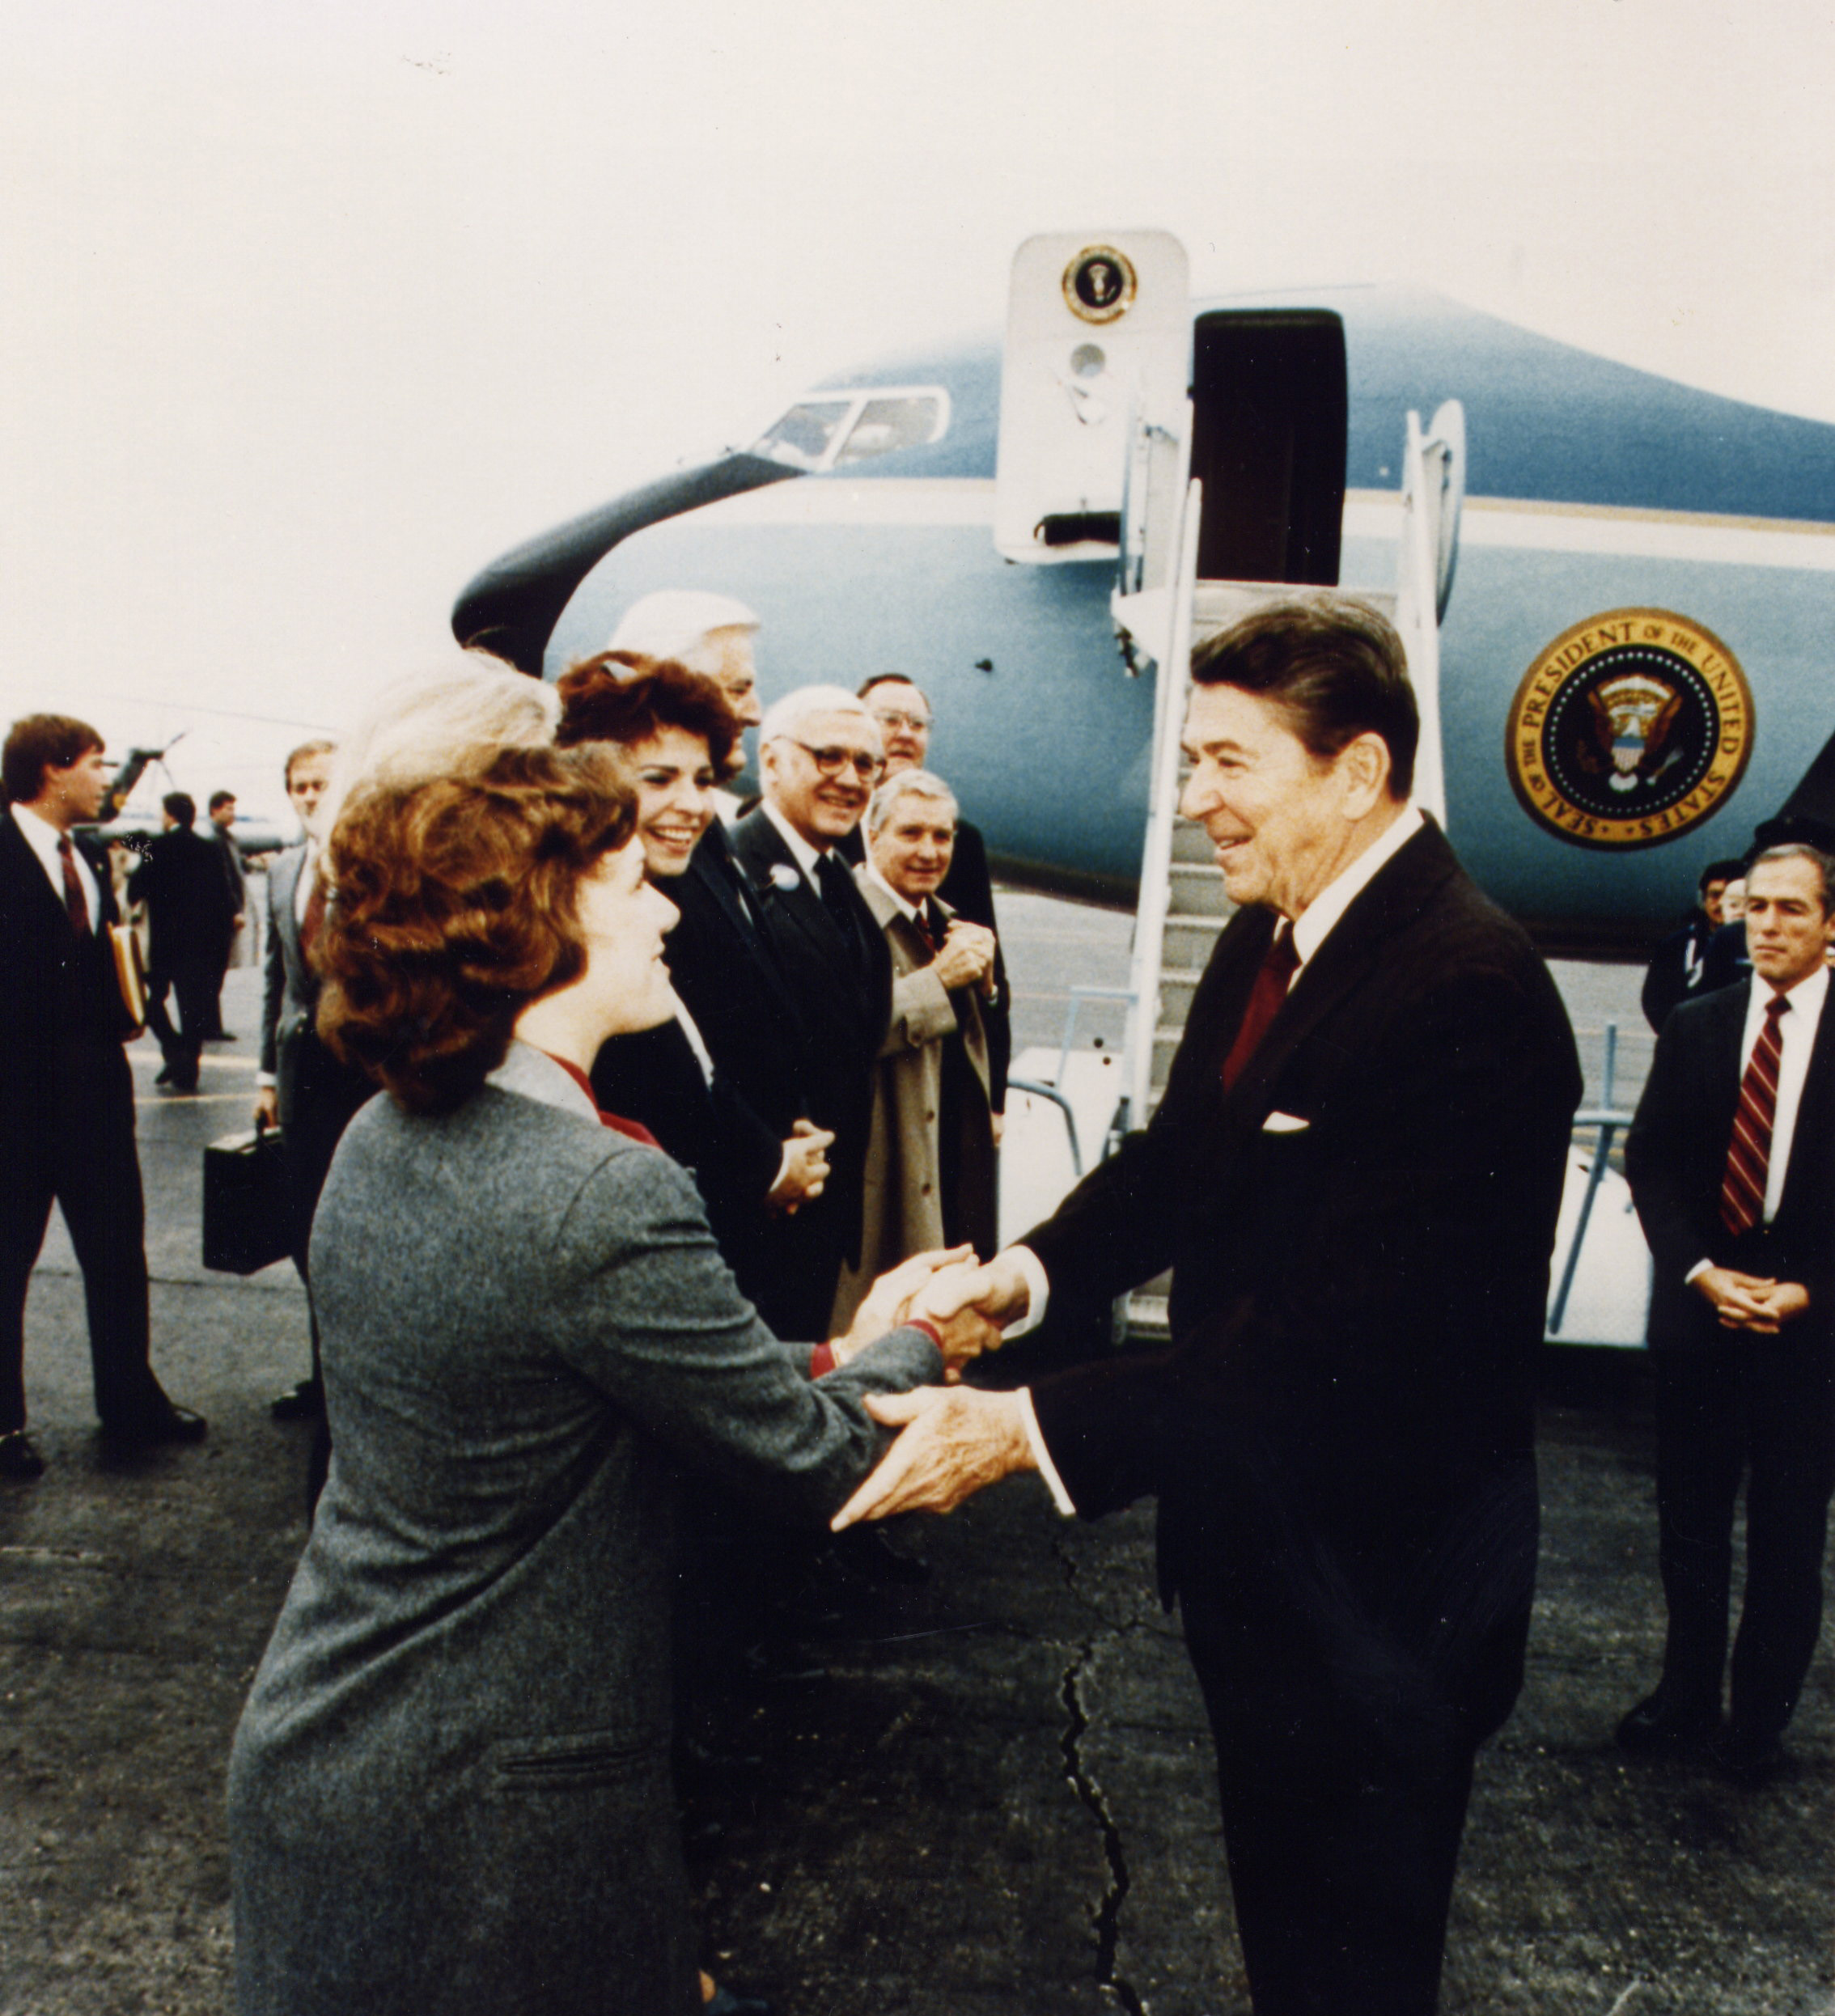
{"points": [[245, 1204]]}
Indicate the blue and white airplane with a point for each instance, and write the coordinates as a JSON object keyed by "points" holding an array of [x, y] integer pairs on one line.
{"points": [[1636, 657]]}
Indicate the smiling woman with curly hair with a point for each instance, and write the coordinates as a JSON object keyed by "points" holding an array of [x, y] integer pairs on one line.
{"points": [[450, 1788]]}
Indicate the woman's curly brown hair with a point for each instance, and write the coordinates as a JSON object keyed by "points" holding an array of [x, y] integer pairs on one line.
{"points": [[624, 697], [456, 907]]}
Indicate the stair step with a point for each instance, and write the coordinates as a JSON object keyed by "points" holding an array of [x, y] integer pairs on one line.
{"points": [[1196, 889], [1147, 1320], [1188, 941], [1177, 985]]}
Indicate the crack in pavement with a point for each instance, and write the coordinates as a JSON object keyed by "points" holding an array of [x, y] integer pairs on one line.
{"points": [[1107, 1916]]}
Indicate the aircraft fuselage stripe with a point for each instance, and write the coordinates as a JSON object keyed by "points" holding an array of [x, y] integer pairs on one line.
{"points": [[1700, 536]]}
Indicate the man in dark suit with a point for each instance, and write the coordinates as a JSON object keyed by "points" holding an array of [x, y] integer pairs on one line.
{"points": [[903, 711], [1355, 1175], [189, 923], [300, 1086], [67, 1095], [821, 755], [222, 836], [1678, 970], [1732, 1161]]}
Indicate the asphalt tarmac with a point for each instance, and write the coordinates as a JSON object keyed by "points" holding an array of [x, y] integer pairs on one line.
{"points": [[979, 1794]]}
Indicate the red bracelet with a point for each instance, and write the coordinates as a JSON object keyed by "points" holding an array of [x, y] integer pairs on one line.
{"points": [[821, 1360], [929, 1328]]}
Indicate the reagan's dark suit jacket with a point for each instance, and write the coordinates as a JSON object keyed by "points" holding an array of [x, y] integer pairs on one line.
{"points": [[1340, 1434], [1675, 1156], [844, 1006]]}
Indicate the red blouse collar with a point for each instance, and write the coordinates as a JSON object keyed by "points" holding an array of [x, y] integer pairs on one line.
{"points": [[633, 1130]]}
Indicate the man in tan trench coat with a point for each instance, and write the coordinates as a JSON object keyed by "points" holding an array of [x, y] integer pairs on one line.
{"points": [[929, 1176]]}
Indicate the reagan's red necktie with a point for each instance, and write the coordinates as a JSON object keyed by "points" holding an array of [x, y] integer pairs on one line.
{"points": [[1279, 964], [1748, 1153]]}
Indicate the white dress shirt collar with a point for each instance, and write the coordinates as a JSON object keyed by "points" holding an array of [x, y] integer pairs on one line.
{"points": [[909, 911], [43, 840], [805, 856], [1314, 922]]}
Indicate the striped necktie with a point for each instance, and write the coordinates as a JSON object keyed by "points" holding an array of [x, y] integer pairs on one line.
{"points": [[1748, 1153]]}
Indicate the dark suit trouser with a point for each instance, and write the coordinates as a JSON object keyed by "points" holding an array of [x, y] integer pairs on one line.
{"points": [[1342, 1855], [1764, 1407], [192, 982], [83, 1156]]}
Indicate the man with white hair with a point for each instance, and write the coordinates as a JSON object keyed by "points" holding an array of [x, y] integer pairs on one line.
{"points": [[821, 756], [930, 1174], [708, 633]]}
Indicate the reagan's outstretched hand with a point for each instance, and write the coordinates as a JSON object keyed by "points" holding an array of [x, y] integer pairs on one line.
{"points": [[956, 1440], [996, 1290]]}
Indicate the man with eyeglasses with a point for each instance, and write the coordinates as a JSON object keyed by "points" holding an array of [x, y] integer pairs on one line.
{"points": [[902, 708], [821, 756]]}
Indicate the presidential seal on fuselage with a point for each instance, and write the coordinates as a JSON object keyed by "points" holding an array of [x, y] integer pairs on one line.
{"points": [[1630, 728]]}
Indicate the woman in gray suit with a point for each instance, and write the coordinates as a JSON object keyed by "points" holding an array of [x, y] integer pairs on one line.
{"points": [[450, 1789]]}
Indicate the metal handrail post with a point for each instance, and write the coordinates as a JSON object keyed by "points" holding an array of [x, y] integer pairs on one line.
{"points": [[1163, 791], [1033, 1089]]}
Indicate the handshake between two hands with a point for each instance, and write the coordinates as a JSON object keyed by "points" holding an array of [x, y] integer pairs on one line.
{"points": [[954, 1438], [967, 1302]]}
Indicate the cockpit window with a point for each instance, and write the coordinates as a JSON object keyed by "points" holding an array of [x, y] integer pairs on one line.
{"points": [[827, 431], [906, 420], [806, 434]]}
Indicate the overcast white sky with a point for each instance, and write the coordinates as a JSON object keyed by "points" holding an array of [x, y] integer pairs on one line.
{"points": [[309, 309]]}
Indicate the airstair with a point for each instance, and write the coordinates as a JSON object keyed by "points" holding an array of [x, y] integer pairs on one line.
{"points": [[1119, 414], [1183, 905]]}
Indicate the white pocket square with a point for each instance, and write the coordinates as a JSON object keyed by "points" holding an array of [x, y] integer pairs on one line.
{"points": [[1285, 1124]]}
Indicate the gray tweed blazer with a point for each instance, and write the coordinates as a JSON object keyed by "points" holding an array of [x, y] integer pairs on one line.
{"points": [[450, 1791]]}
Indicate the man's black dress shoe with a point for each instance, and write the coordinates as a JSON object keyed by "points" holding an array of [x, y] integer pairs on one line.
{"points": [[305, 1402], [20, 1462], [152, 1430], [1653, 1728], [1749, 1759]]}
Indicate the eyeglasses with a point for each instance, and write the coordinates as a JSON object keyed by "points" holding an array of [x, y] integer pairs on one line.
{"points": [[832, 761], [918, 724]]}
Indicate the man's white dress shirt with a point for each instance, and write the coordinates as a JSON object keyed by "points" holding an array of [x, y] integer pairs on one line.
{"points": [[43, 838]]}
